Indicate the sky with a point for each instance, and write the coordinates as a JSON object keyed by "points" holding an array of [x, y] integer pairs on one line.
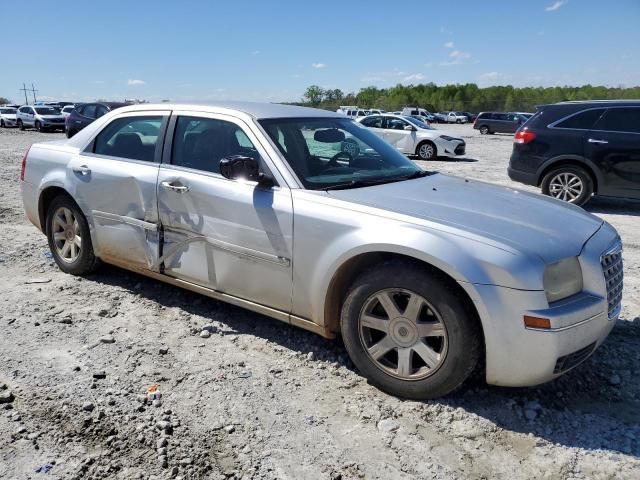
{"points": [[191, 50]]}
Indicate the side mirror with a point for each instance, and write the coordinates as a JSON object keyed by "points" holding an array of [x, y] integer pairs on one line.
{"points": [[409, 128], [240, 166]]}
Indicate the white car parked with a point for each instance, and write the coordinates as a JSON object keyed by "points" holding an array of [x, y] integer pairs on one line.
{"points": [[414, 137], [8, 117], [66, 110]]}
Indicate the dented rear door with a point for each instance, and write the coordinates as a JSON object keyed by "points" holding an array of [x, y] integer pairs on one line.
{"points": [[115, 185]]}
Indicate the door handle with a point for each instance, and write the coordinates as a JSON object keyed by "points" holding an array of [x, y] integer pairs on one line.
{"points": [[175, 188], [595, 140], [82, 170]]}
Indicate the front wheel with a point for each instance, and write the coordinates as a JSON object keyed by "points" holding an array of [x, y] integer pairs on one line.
{"points": [[484, 130], [69, 238], [408, 332], [20, 125], [427, 151], [569, 183], [38, 126]]}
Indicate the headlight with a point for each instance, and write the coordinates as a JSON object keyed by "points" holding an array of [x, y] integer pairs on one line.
{"points": [[562, 279], [447, 138]]}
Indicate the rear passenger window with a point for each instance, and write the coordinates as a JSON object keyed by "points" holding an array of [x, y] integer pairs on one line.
{"points": [[375, 122], [583, 120], [620, 120], [89, 111], [200, 143], [134, 138]]}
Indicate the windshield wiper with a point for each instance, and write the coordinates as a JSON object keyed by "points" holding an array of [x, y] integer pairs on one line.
{"points": [[378, 181]]}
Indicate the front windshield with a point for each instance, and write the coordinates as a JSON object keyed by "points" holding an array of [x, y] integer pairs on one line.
{"points": [[47, 111], [7, 111], [326, 152], [419, 123]]}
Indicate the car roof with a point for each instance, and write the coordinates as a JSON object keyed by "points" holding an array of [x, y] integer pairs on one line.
{"points": [[600, 103], [256, 110]]}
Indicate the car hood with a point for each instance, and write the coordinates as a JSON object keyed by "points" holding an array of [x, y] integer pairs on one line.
{"points": [[437, 132], [526, 222]]}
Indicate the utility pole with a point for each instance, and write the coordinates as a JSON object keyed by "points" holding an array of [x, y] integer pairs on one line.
{"points": [[24, 89], [33, 90]]}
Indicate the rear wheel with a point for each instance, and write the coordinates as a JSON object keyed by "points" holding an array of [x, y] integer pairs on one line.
{"points": [[484, 129], [570, 183], [1, 123], [427, 151], [408, 332], [69, 238]]}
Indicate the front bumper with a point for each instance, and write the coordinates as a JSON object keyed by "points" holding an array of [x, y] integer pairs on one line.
{"points": [[517, 356], [10, 122], [451, 148]]}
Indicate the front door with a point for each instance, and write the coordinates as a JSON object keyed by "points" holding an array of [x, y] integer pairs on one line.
{"points": [[231, 236], [614, 147], [115, 186]]}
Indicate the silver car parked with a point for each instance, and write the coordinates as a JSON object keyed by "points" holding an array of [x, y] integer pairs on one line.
{"points": [[40, 117], [307, 217]]}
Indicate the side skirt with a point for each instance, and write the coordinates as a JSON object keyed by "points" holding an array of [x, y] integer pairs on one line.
{"points": [[225, 297]]}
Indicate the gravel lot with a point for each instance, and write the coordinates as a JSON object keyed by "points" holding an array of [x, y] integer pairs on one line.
{"points": [[255, 399]]}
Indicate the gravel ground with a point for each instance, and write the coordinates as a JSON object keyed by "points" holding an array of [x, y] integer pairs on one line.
{"points": [[253, 398]]}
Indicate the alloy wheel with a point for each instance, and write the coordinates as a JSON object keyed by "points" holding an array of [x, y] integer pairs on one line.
{"points": [[66, 235], [426, 151], [566, 186], [403, 334]]}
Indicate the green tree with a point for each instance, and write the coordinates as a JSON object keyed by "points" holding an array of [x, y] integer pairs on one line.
{"points": [[4, 100], [314, 95]]}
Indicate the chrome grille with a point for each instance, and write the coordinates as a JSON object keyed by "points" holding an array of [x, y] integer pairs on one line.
{"points": [[613, 278]]}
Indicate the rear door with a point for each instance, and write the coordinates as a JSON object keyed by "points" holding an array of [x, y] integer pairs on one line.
{"points": [[396, 135], [614, 146], [228, 235], [115, 185]]}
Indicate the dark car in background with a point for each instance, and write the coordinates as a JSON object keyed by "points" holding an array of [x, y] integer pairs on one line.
{"points": [[573, 150], [86, 113], [498, 122]]}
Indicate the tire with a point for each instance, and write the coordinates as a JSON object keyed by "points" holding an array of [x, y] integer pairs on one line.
{"points": [[452, 342], [38, 126], [65, 219], [484, 130], [20, 125], [427, 151], [569, 183], [1, 123], [70, 133]]}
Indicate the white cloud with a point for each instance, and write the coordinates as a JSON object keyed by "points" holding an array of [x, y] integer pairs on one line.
{"points": [[318, 65], [136, 82], [448, 45], [555, 6], [414, 76], [489, 76], [459, 54]]}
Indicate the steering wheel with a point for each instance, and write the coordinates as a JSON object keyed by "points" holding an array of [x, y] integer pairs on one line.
{"points": [[334, 160]]}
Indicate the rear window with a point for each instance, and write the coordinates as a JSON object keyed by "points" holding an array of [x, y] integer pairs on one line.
{"points": [[47, 111], [583, 120], [620, 120], [134, 138]]}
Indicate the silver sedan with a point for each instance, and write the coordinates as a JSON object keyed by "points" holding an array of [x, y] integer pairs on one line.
{"points": [[307, 217]]}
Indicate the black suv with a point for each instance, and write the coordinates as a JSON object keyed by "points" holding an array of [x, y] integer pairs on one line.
{"points": [[573, 150], [86, 113], [498, 122]]}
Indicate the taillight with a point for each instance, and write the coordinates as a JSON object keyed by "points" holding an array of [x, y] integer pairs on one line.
{"points": [[24, 165], [524, 136]]}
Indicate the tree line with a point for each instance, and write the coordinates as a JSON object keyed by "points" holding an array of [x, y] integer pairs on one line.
{"points": [[461, 97]]}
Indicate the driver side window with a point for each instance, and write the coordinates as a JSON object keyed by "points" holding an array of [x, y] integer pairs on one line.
{"points": [[395, 124]]}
